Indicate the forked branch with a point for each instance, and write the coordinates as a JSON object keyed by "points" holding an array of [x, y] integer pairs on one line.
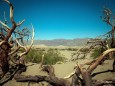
{"points": [[27, 49]]}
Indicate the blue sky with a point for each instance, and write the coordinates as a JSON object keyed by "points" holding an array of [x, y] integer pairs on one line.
{"points": [[66, 19]]}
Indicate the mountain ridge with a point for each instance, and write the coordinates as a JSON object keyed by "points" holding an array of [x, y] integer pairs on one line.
{"points": [[64, 42]]}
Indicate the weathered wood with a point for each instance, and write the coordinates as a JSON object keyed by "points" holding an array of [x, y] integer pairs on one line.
{"points": [[100, 59], [49, 69], [75, 80], [94, 74], [87, 78], [113, 65], [4, 63], [8, 76], [7, 41], [105, 82], [50, 79]]}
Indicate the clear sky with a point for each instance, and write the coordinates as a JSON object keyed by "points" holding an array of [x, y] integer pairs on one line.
{"points": [[66, 19]]}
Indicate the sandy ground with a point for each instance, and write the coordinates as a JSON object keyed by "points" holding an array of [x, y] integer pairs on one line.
{"points": [[62, 70]]}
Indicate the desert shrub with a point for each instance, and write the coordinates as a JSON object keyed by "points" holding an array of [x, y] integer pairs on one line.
{"points": [[55, 49], [34, 56], [50, 57], [84, 50], [69, 49], [62, 49], [42, 49], [53, 56], [96, 52], [72, 49]]}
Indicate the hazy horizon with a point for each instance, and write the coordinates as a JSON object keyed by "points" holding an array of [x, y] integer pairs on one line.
{"points": [[65, 19], [65, 38]]}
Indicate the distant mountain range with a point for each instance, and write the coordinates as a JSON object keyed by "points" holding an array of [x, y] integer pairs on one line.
{"points": [[64, 42]]}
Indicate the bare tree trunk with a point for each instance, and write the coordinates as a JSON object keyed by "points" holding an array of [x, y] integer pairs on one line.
{"points": [[50, 79], [4, 63], [112, 39], [75, 81], [87, 78], [114, 66]]}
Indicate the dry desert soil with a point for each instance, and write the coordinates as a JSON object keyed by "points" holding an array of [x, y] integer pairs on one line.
{"points": [[62, 70]]}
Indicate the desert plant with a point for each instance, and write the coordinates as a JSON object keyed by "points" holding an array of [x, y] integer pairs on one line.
{"points": [[50, 57], [96, 52], [53, 56], [84, 50], [72, 49], [34, 56]]}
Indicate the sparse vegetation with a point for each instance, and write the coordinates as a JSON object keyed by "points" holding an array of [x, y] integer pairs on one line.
{"points": [[96, 52], [72, 49], [84, 50], [51, 56], [12, 45]]}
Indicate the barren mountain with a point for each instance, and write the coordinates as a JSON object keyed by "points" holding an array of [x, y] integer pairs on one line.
{"points": [[64, 42]]}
